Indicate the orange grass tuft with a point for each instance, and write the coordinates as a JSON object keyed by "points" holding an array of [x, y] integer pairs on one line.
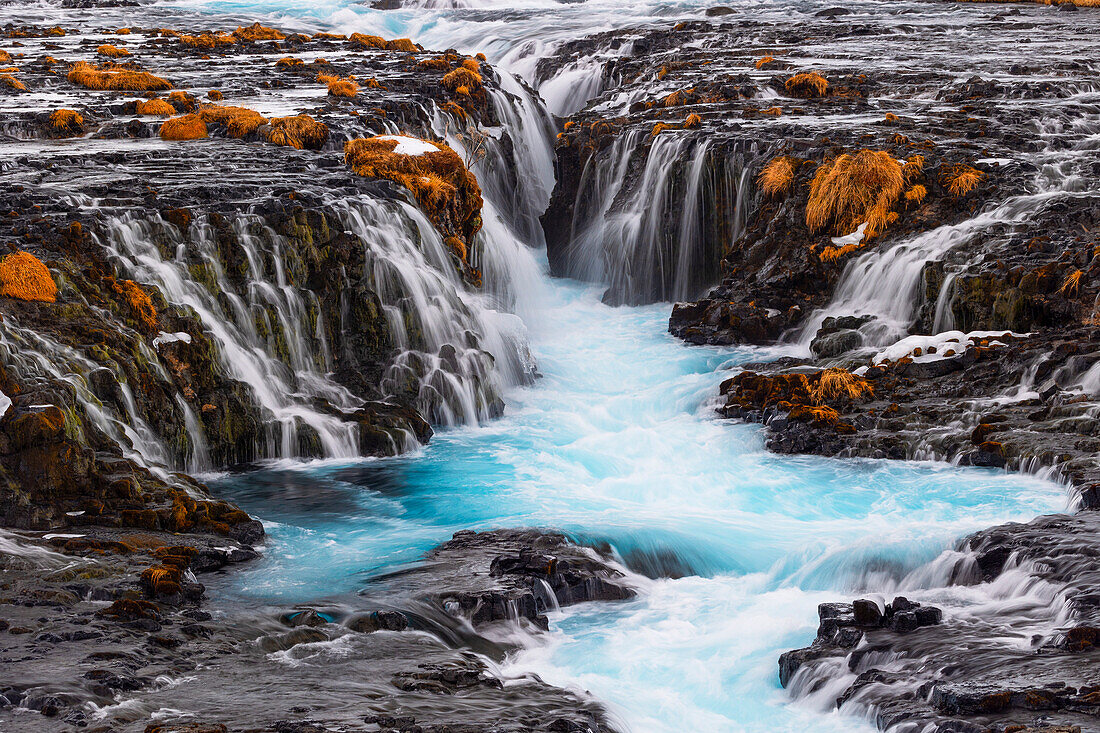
{"points": [[139, 300], [238, 121], [962, 179], [439, 181], [208, 41], [693, 120], [916, 194], [154, 108], [5, 57], [257, 32], [913, 167], [461, 77], [776, 176], [1071, 286], [24, 277], [850, 190], [362, 40], [187, 127], [762, 62], [808, 85], [112, 51], [837, 383], [402, 44], [343, 88], [302, 132], [215, 95], [88, 76], [288, 61], [67, 121], [11, 81]]}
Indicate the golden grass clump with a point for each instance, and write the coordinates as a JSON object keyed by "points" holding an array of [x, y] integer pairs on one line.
{"points": [[461, 77], [330, 36], [402, 44], [764, 61], [257, 32], [187, 127], [288, 62], [88, 76], [5, 57], [215, 95], [113, 51], [962, 179], [838, 383], [913, 167], [364, 41], [659, 128], [342, 88], [776, 176], [439, 64], [301, 132], [774, 111], [692, 121], [238, 121], [439, 181], [1071, 286], [916, 194], [11, 81], [832, 253], [853, 189], [67, 121], [154, 108], [122, 32], [140, 302], [24, 277], [207, 41], [808, 84]]}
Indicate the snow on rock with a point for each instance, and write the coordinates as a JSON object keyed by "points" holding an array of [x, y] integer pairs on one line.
{"points": [[940, 344], [854, 238], [171, 338], [410, 145], [5, 404]]}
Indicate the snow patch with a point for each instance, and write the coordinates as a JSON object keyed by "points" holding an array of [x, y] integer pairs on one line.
{"points": [[171, 338], [854, 238], [410, 145], [5, 404], [940, 343]]}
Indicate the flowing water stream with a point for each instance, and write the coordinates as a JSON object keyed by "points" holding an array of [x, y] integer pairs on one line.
{"points": [[731, 547]]}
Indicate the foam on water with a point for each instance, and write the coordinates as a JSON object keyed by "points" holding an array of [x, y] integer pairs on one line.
{"points": [[618, 442]]}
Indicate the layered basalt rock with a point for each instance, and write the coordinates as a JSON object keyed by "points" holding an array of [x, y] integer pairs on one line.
{"points": [[955, 675]]}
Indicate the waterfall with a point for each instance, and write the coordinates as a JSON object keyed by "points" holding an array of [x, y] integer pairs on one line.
{"points": [[886, 283], [658, 236]]}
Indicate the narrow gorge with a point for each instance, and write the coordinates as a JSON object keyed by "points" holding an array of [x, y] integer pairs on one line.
{"points": [[631, 367]]}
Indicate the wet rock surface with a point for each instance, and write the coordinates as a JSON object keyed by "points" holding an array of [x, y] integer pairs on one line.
{"points": [[85, 628], [1029, 668]]}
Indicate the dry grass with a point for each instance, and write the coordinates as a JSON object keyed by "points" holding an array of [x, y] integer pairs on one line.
{"points": [[916, 194], [693, 120], [214, 95], [5, 57], [119, 80], [122, 32], [10, 81], [154, 108], [402, 44], [837, 383], [112, 51], [832, 253], [1071, 286], [208, 41], [67, 121], [853, 189], [343, 88], [776, 177], [913, 167], [140, 302], [330, 36], [459, 78], [238, 121], [659, 128], [187, 127], [301, 132], [773, 111], [364, 41], [961, 179], [447, 192], [764, 61], [436, 64], [24, 277], [808, 85], [257, 32], [288, 62]]}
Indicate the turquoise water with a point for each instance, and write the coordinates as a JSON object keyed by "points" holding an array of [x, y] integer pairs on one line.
{"points": [[618, 441]]}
